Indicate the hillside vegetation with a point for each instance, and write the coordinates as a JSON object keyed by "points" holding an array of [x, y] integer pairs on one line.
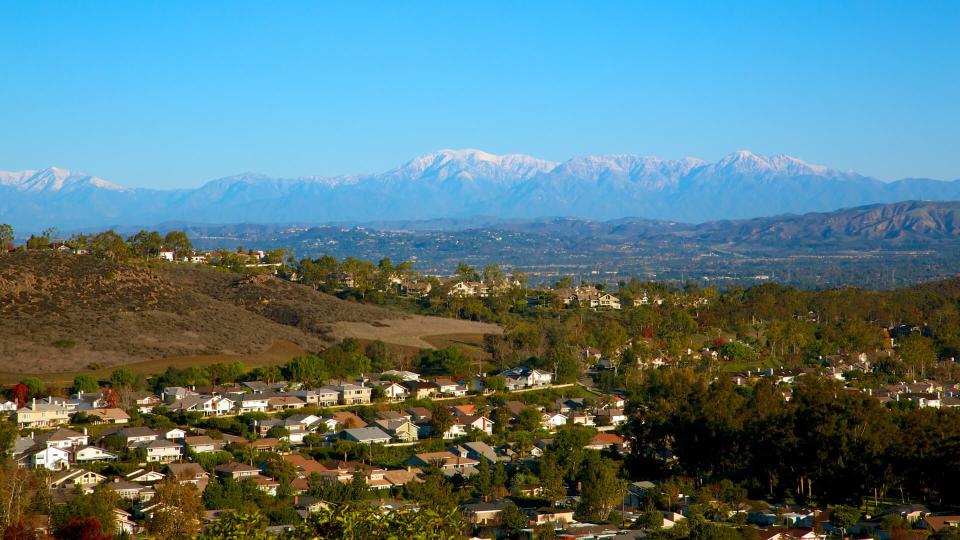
{"points": [[65, 312]]}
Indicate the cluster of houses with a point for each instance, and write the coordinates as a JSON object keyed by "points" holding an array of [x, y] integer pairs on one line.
{"points": [[919, 394], [56, 440], [588, 296]]}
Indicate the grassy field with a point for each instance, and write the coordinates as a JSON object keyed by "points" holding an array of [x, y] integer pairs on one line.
{"points": [[278, 353]]}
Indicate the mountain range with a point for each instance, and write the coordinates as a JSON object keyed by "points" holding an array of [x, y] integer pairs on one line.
{"points": [[466, 183]]}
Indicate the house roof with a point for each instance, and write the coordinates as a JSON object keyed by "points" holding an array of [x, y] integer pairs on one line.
{"points": [[304, 464], [367, 433], [124, 485], [935, 523], [62, 434], [162, 443], [348, 419], [109, 414], [235, 467], [137, 431], [189, 470]]}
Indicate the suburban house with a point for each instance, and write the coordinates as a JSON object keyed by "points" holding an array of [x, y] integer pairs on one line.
{"points": [[393, 391], [236, 470], [366, 435], [608, 441], [327, 397], [44, 415], [175, 434], [200, 444], [252, 403], [50, 458], [74, 478], [354, 394], [445, 460], [137, 435], [108, 416], [346, 419], [448, 387], [64, 438], [207, 405], [552, 421], [400, 429], [145, 401], [484, 513], [131, 491], [187, 472], [421, 389], [142, 476], [526, 377], [86, 454], [284, 402], [163, 451], [477, 450], [403, 375]]}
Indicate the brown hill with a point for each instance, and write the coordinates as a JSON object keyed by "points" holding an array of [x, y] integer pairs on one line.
{"points": [[61, 313]]}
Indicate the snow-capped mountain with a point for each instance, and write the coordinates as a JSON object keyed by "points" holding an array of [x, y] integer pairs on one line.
{"points": [[462, 183], [53, 179]]}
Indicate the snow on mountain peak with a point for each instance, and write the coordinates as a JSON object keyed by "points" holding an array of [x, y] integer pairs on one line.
{"points": [[471, 164], [745, 161], [52, 179]]}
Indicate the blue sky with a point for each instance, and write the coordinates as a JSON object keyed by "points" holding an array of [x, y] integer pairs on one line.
{"points": [[171, 94]]}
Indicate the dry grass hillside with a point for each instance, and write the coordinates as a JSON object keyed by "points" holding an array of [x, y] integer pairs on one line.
{"points": [[63, 313]]}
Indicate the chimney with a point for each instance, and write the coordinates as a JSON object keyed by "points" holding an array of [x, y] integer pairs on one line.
{"points": [[296, 500], [34, 403], [84, 432]]}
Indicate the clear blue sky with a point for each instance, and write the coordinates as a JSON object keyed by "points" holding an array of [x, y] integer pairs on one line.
{"points": [[171, 94]]}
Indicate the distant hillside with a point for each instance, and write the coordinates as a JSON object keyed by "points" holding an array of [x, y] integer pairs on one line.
{"points": [[909, 223], [457, 185], [877, 245], [65, 312]]}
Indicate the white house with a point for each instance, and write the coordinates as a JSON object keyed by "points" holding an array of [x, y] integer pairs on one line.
{"points": [[175, 434], [553, 420], [526, 377], [163, 451], [92, 453], [64, 438], [254, 403], [393, 391], [70, 478], [50, 458]]}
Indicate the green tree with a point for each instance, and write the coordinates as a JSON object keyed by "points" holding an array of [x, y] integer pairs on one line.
{"points": [[86, 383], [465, 272], [34, 386], [495, 383], [178, 514], [99, 504], [844, 517], [179, 242], [237, 526], [513, 520], [122, 378], [551, 477], [109, 245], [529, 419], [603, 490], [146, 243], [6, 237], [441, 420]]}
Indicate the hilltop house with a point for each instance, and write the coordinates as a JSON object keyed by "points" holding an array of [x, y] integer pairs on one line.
{"points": [[526, 377]]}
